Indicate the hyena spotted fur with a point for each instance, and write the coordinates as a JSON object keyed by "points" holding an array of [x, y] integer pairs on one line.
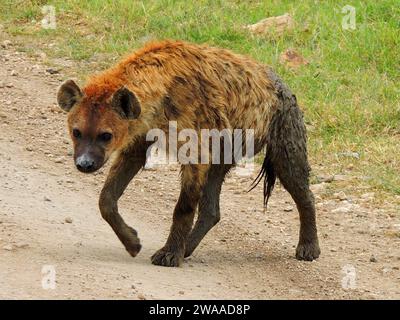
{"points": [[199, 87]]}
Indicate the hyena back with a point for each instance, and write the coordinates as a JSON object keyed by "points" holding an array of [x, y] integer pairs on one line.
{"points": [[199, 87]]}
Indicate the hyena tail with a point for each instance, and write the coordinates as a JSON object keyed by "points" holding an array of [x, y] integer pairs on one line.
{"points": [[286, 150], [268, 173]]}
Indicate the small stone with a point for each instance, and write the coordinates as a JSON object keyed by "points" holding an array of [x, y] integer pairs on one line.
{"points": [[341, 196], [141, 296], [46, 199], [52, 71], [317, 188], [368, 196], [6, 43], [59, 160], [319, 205], [354, 155], [13, 73], [342, 209], [181, 292], [372, 259], [8, 247], [30, 149], [292, 58], [288, 209], [68, 220], [341, 177], [327, 179], [386, 269], [22, 245]]}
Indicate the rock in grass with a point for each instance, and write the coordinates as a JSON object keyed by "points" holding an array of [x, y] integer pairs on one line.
{"points": [[340, 195], [292, 59], [327, 178], [277, 24], [354, 155], [341, 177]]}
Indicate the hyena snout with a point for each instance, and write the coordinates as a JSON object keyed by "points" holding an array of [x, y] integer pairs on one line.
{"points": [[87, 163]]}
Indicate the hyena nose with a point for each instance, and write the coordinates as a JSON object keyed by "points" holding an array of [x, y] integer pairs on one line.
{"points": [[84, 163]]}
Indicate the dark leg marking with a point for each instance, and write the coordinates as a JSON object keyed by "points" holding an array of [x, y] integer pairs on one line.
{"points": [[121, 173]]}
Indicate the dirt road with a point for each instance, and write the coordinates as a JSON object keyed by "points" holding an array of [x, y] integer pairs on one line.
{"points": [[49, 217]]}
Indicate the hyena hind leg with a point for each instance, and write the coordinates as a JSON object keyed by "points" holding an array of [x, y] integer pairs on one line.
{"points": [[292, 169], [289, 160], [308, 246]]}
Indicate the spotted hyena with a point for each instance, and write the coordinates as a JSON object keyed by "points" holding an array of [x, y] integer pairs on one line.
{"points": [[199, 87]]}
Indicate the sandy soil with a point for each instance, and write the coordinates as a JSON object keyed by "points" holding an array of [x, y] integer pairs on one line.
{"points": [[49, 216]]}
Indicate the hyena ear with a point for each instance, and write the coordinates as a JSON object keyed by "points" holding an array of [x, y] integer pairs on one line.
{"points": [[126, 103], [68, 94]]}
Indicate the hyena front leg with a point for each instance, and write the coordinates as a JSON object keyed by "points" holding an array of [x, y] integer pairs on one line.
{"points": [[121, 173], [192, 181], [209, 212]]}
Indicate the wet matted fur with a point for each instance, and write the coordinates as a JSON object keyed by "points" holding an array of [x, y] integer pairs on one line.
{"points": [[199, 87]]}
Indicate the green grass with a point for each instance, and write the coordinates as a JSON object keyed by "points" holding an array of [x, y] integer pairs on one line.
{"points": [[350, 89]]}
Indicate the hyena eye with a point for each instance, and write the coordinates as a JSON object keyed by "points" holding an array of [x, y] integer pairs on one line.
{"points": [[76, 133], [105, 137]]}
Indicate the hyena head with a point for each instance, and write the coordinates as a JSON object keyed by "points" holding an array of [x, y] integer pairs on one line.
{"points": [[98, 125]]}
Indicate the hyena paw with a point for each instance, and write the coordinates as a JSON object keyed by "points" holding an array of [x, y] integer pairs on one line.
{"points": [[167, 257], [132, 243], [307, 251]]}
